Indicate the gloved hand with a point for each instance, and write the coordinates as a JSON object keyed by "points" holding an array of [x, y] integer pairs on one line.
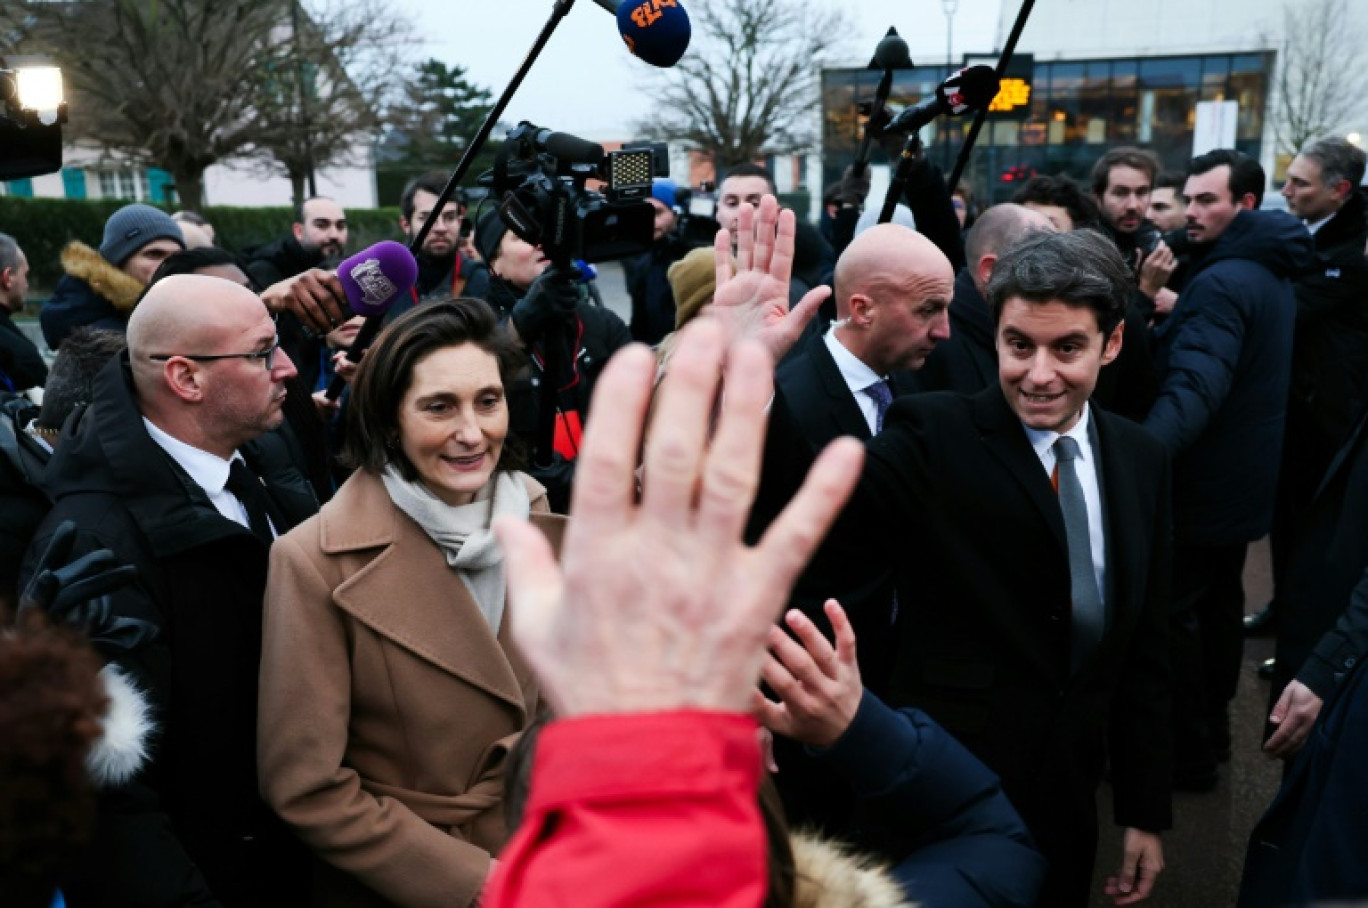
{"points": [[852, 189], [551, 299], [77, 593]]}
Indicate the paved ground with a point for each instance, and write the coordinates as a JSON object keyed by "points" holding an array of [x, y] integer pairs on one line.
{"points": [[1205, 851]]}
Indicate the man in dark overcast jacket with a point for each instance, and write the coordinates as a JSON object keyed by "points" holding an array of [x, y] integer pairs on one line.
{"points": [[1224, 358]]}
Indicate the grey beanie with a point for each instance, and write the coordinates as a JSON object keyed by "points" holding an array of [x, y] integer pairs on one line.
{"points": [[133, 227]]}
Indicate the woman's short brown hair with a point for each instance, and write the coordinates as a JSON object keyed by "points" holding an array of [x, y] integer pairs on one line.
{"points": [[386, 374]]}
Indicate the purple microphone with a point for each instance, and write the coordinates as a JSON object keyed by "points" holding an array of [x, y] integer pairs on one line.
{"points": [[372, 280]]}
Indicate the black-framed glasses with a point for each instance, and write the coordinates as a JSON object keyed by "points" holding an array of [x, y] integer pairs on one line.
{"points": [[267, 356]]}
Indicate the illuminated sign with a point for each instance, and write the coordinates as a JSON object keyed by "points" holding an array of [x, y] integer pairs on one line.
{"points": [[1013, 94]]}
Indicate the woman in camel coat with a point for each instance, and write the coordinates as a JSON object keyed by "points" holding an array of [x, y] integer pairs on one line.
{"points": [[390, 692]]}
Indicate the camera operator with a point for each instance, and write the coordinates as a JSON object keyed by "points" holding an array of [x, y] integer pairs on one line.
{"points": [[443, 271], [653, 303], [550, 314]]}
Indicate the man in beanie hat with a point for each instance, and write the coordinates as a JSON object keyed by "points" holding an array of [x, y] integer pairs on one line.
{"points": [[99, 289], [653, 304]]}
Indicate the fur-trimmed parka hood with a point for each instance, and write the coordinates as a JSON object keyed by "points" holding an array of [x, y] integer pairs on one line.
{"points": [[827, 874], [84, 263]]}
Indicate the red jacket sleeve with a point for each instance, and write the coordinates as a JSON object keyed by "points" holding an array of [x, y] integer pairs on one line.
{"points": [[651, 809]]}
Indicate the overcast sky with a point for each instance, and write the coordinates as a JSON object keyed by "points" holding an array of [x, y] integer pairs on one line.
{"points": [[586, 82]]}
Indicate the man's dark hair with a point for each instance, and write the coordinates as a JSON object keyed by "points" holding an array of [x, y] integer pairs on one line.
{"points": [[1339, 159], [998, 229], [1080, 268], [1125, 156], [71, 380], [434, 181], [1171, 179], [1061, 192], [372, 437], [299, 206], [9, 252], [190, 261], [748, 169], [1246, 175]]}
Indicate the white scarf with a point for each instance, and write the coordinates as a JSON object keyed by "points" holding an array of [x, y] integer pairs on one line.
{"points": [[463, 534]]}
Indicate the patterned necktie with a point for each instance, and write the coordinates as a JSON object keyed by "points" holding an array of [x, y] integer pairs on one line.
{"points": [[243, 483], [882, 395], [1089, 613]]}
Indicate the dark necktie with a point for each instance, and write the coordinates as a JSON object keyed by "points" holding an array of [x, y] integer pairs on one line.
{"points": [[243, 483], [1089, 615], [882, 396]]}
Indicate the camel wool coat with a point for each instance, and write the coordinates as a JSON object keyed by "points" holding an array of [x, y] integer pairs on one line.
{"points": [[387, 705]]}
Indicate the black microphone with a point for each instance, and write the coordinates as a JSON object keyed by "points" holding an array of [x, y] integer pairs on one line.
{"points": [[966, 90], [891, 54], [657, 31]]}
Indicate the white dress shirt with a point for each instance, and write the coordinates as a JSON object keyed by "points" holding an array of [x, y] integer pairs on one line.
{"points": [[209, 471], [857, 375], [1086, 466]]}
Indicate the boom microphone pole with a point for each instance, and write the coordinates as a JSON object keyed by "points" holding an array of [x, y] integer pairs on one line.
{"points": [[891, 54], [1003, 63], [558, 12]]}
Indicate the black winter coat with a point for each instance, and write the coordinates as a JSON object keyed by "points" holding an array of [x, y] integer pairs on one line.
{"points": [[585, 345], [23, 504], [189, 822], [1224, 358], [280, 259], [20, 360], [1330, 353]]}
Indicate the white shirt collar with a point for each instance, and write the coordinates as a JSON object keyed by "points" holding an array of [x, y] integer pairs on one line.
{"points": [[1042, 440], [1321, 223], [209, 471], [854, 370]]}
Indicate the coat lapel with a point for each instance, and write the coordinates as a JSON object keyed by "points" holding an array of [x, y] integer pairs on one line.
{"points": [[840, 406], [1005, 439], [407, 594]]}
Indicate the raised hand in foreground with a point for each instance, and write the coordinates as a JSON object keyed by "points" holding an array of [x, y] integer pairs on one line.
{"points": [[753, 304], [660, 605]]}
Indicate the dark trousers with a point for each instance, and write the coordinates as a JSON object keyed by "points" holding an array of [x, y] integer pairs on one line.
{"points": [[1208, 644]]}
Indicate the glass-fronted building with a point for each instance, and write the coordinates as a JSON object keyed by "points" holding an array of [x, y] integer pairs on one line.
{"points": [[1075, 111]]}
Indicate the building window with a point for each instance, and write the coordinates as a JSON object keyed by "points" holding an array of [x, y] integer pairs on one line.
{"points": [[124, 183]]}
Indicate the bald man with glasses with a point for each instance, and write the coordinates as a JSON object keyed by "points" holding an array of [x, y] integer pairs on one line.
{"points": [[173, 467]]}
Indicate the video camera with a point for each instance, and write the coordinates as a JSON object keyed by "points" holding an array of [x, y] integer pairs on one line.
{"points": [[540, 179]]}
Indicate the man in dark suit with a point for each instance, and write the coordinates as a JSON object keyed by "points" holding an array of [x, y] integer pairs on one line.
{"points": [[1032, 623], [893, 291], [893, 287]]}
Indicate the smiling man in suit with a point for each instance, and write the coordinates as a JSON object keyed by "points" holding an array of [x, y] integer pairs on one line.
{"points": [[1027, 535]]}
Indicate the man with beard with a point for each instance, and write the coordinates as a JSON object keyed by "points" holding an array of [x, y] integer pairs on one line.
{"points": [[443, 272], [1122, 180], [318, 239], [173, 467]]}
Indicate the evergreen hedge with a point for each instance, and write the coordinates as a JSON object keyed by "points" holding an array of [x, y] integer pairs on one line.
{"points": [[43, 227]]}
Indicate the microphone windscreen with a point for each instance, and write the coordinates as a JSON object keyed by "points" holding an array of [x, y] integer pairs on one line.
{"points": [[892, 53], [375, 277], [573, 149], [969, 89], [657, 31]]}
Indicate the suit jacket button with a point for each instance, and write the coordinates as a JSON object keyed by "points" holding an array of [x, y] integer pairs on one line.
{"points": [[1349, 662]]}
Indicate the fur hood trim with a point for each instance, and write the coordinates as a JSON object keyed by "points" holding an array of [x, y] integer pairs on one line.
{"points": [[121, 751], [80, 261], [828, 874]]}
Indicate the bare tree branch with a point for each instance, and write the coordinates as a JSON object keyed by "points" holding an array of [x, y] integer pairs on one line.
{"points": [[183, 84], [1320, 84], [749, 83]]}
